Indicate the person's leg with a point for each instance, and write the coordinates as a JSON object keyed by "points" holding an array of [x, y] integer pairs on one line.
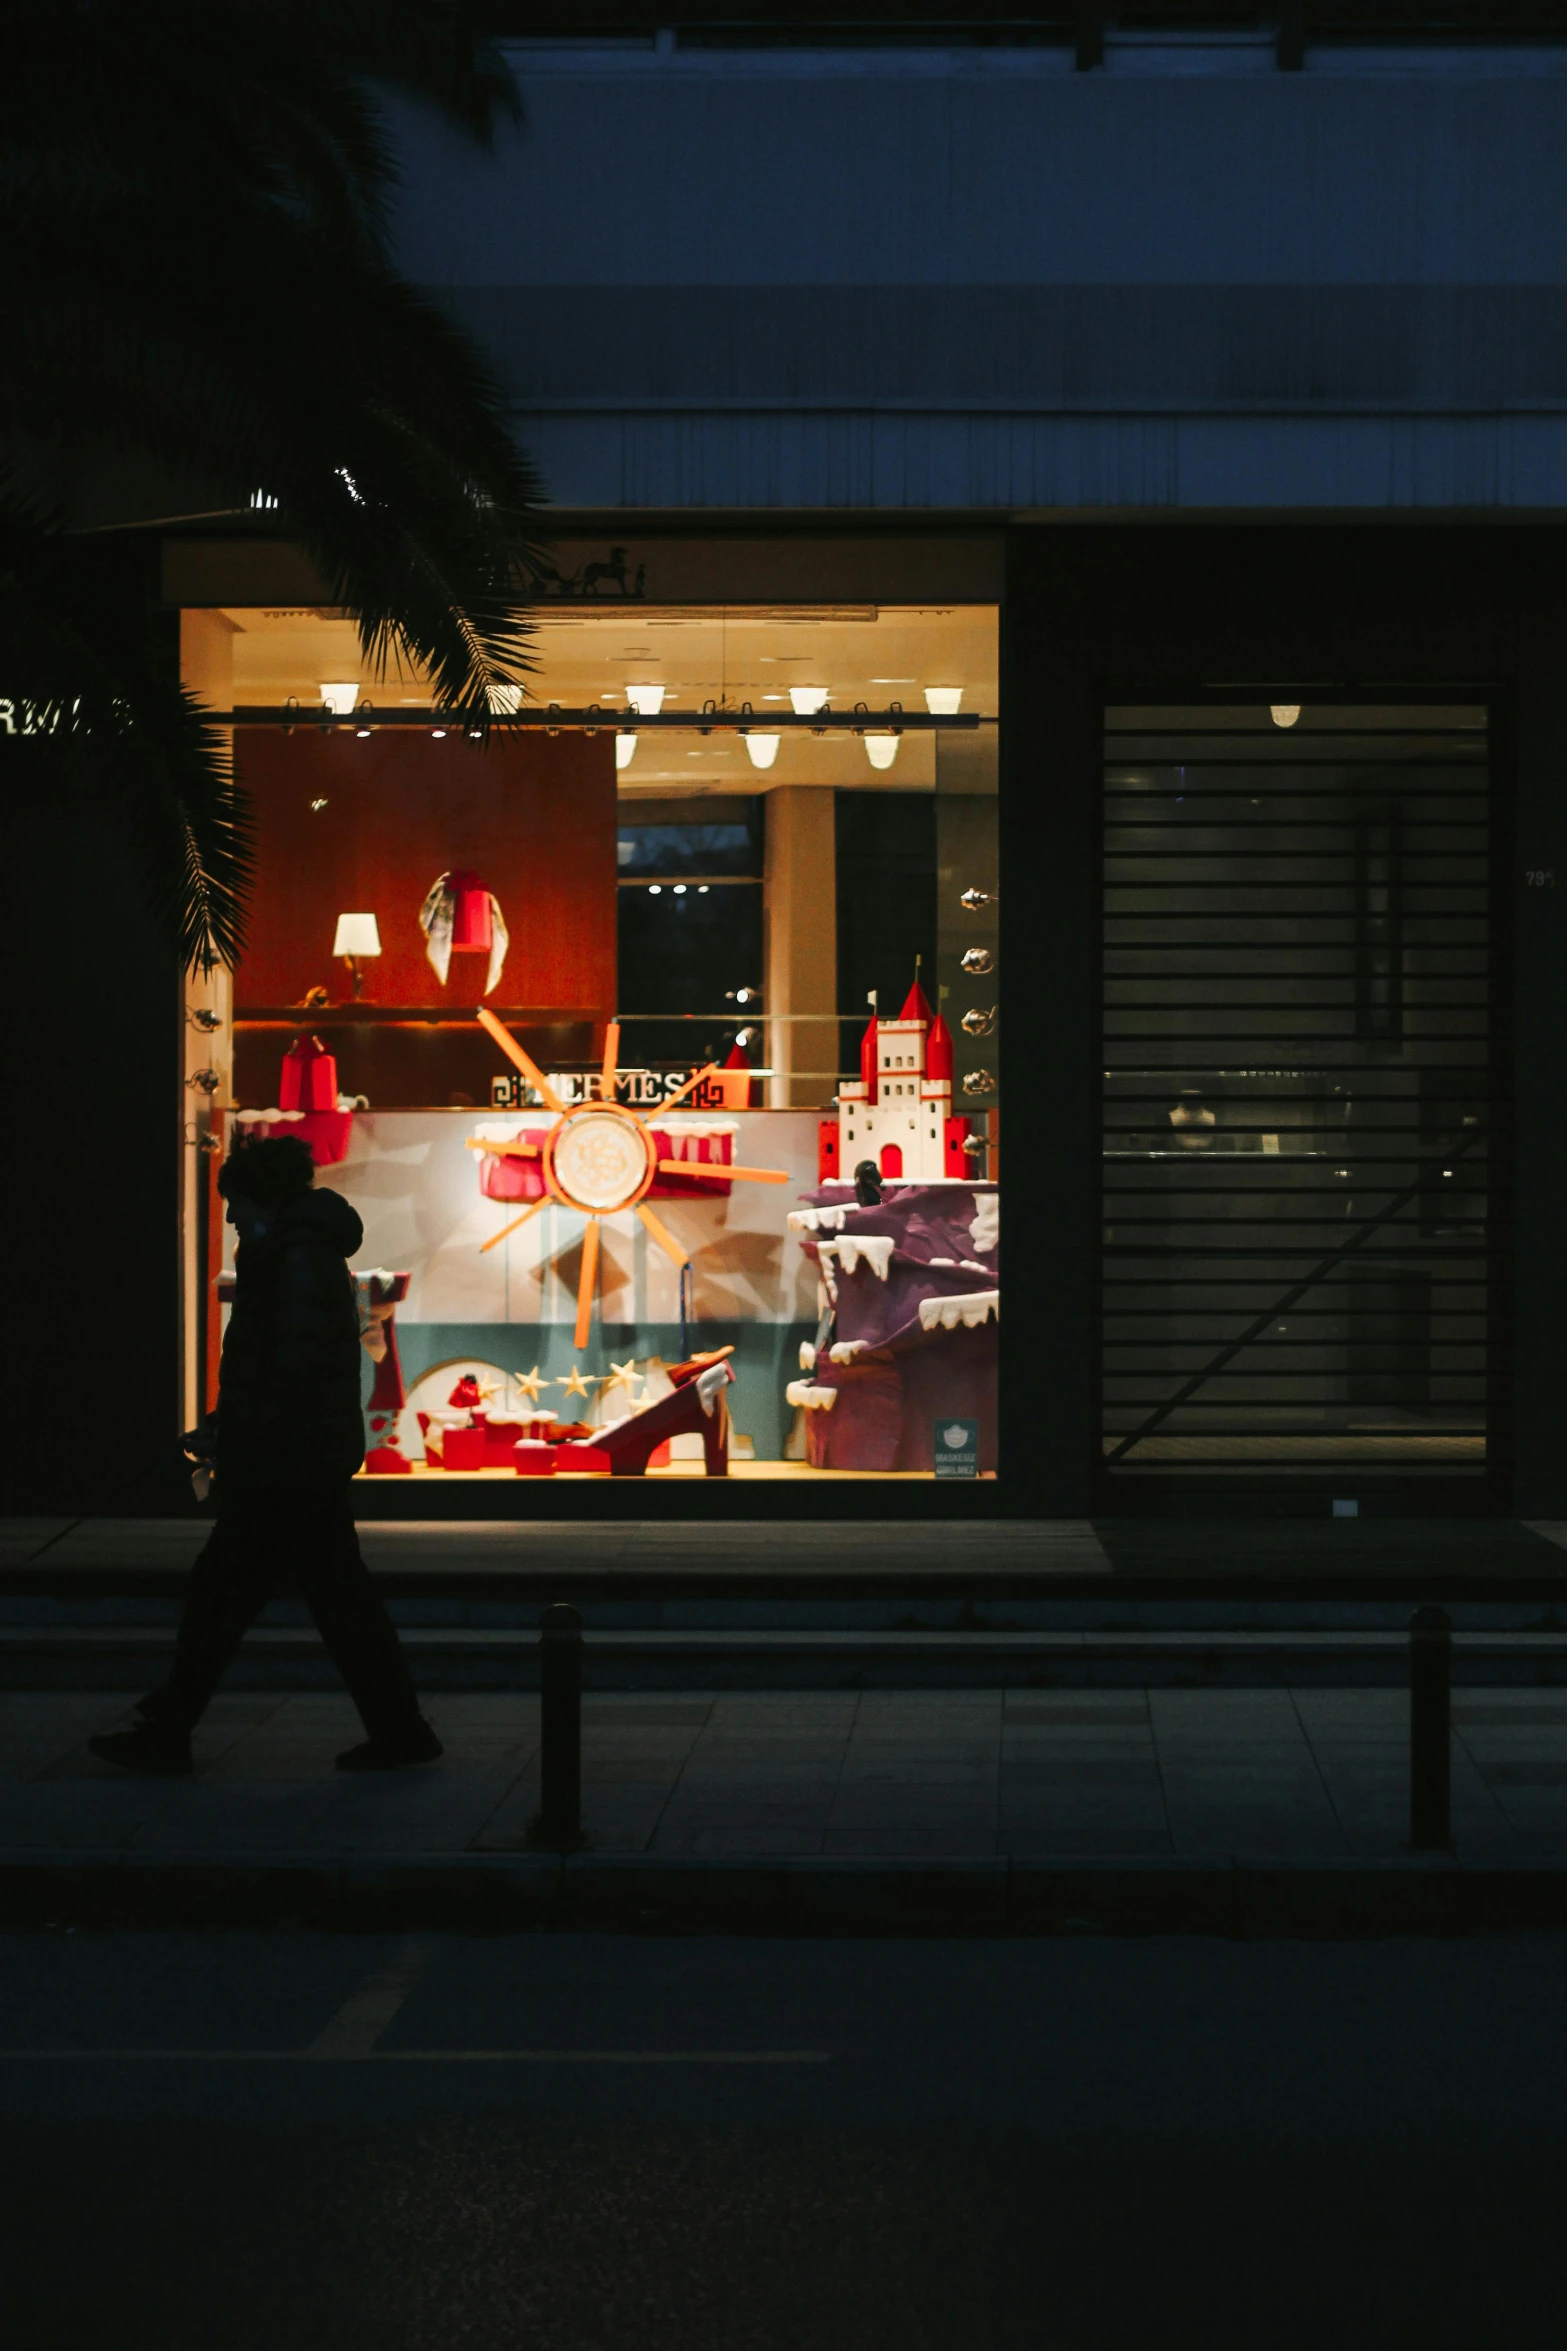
{"points": [[352, 1620], [230, 1584]]}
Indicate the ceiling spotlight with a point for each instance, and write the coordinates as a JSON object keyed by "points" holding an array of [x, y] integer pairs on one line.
{"points": [[646, 701], [362, 733], [340, 698], [625, 750], [1284, 714], [881, 750], [943, 701], [680, 889], [807, 700], [701, 889], [655, 889], [437, 734], [763, 749]]}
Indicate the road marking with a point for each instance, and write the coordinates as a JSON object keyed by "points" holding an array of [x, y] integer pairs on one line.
{"points": [[366, 2013], [315, 2055]]}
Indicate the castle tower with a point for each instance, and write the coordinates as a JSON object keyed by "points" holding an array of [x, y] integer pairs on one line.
{"points": [[899, 1110]]}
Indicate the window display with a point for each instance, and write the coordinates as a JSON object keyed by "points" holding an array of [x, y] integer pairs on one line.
{"points": [[663, 1074]]}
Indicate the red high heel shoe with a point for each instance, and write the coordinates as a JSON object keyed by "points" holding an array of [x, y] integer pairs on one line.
{"points": [[698, 1403]]}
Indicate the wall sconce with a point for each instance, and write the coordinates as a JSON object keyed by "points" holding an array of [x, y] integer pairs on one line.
{"points": [[977, 1022], [978, 1081], [763, 749], [943, 701], [1284, 714], [882, 750], [977, 961], [976, 901], [340, 699], [625, 752], [357, 935], [646, 701]]}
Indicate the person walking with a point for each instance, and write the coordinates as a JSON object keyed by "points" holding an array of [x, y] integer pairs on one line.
{"points": [[285, 1442]]}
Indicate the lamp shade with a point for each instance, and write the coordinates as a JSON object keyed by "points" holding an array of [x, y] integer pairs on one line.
{"points": [[356, 935], [625, 750], [646, 701], [807, 700], [341, 697], [881, 750], [942, 701], [762, 749]]}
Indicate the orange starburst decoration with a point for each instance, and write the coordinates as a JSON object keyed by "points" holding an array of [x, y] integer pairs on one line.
{"points": [[602, 1159]]}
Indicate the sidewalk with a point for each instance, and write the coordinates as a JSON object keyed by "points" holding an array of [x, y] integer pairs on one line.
{"points": [[954, 1810]]}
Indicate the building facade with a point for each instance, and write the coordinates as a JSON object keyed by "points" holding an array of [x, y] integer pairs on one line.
{"points": [[1063, 515]]}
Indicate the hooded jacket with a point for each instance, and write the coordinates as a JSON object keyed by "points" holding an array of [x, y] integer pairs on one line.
{"points": [[288, 1401]]}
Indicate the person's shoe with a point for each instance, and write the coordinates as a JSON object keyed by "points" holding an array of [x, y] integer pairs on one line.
{"points": [[418, 1745], [155, 1754]]}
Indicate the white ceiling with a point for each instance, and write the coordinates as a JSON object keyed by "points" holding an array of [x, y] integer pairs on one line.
{"points": [[861, 654]]}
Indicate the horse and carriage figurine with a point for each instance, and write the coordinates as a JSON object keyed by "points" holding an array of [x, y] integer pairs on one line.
{"points": [[589, 578]]}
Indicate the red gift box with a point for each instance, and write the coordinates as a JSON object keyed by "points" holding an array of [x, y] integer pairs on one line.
{"points": [[465, 1449], [309, 1080]]}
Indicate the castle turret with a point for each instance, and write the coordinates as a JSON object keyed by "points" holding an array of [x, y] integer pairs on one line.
{"points": [[868, 1060], [938, 1052]]}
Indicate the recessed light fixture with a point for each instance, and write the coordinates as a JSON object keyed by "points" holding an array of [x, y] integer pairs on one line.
{"points": [[881, 750], [1284, 714], [807, 700], [943, 701], [763, 749], [680, 889], [437, 734], [625, 750], [894, 681], [340, 698], [655, 889], [701, 889], [646, 701]]}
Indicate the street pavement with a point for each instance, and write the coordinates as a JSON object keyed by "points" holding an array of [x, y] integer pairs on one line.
{"points": [[577, 2143], [952, 1774]]}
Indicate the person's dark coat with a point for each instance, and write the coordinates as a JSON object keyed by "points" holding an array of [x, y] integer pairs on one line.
{"points": [[288, 1404]]}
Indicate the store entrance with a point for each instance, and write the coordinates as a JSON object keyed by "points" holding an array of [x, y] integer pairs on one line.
{"points": [[1298, 1110]]}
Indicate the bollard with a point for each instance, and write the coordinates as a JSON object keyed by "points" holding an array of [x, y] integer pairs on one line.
{"points": [[560, 1736], [1430, 1738]]}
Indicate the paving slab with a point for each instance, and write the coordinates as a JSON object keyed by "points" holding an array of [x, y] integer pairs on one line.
{"points": [[1257, 1783]]}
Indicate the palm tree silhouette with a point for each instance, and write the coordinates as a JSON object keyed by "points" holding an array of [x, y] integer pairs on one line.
{"points": [[201, 298]]}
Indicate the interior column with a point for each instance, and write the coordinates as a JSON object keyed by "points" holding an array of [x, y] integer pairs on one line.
{"points": [[800, 928]]}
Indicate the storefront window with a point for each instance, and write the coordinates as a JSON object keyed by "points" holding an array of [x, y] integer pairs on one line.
{"points": [[657, 1046]]}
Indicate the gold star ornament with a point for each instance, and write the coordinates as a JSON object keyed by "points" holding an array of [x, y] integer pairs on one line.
{"points": [[576, 1385]]}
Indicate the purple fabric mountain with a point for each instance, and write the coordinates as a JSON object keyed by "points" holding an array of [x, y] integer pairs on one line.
{"points": [[914, 1284]]}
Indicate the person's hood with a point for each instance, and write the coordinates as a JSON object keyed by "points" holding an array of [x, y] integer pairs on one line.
{"points": [[326, 1215]]}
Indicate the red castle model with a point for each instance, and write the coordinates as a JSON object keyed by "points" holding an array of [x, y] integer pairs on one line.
{"points": [[898, 1112]]}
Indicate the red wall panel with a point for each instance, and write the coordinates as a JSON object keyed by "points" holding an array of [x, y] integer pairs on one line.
{"points": [[534, 815]]}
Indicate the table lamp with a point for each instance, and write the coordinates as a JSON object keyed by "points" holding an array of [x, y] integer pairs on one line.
{"points": [[356, 936]]}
